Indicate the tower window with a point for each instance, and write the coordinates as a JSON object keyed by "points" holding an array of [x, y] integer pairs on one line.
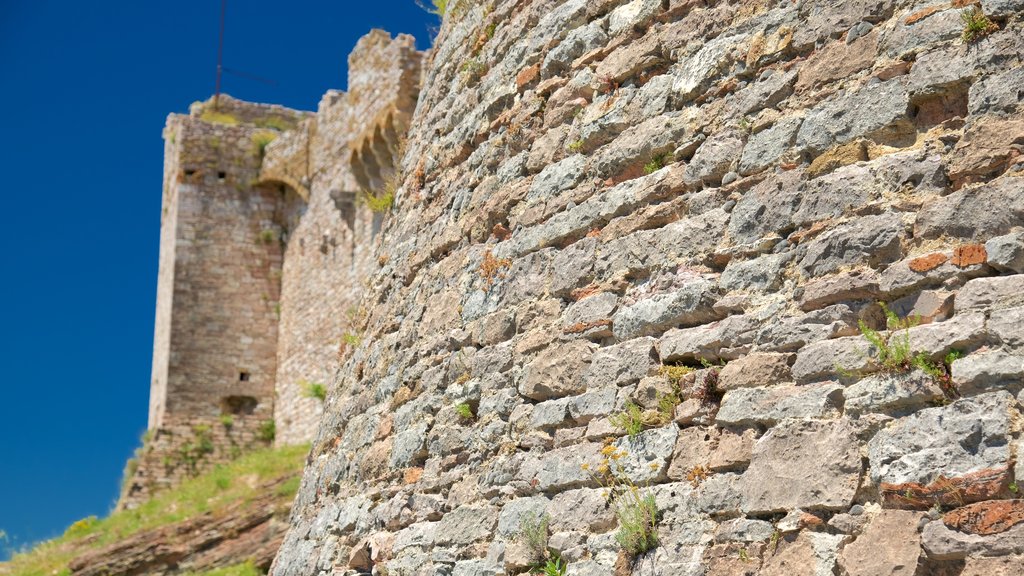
{"points": [[222, 175], [243, 376]]}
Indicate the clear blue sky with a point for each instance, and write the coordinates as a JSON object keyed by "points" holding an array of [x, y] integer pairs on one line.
{"points": [[85, 89]]}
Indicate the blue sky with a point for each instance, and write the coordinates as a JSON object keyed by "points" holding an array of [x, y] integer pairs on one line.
{"points": [[85, 90]]}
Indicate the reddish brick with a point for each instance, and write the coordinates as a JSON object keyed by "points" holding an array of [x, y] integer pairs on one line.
{"points": [[929, 262], [984, 518], [969, 255]]}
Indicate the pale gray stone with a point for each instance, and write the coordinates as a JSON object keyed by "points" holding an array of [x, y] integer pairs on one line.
{"points": [[725, 339], [744, 530], [622, 364], [550, 413], [888, 393], [981, 371], [715, 158], [943, 543], [1007, 326], [968, 435], [593, 404], [584, 509], [991, 294], [697, 70], [803, 464], [747, 406], [825, 359], [760, 274], [514, 515], [873, 111], [753, 370], [557, 177], [999, 93], [764, 148], [687, 306], [871, 240], [647, 454], [557, 371], [967, 213], [1006, 252]]}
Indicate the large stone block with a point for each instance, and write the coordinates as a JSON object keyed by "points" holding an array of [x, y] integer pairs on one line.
{"points": [[969, 435], [803, 464]]}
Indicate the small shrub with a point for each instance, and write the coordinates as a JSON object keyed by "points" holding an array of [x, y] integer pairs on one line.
{"points": [[707, 390], [222, 482], [379, 203], [215, 117], [227, 421], [657, 163], [895, 354], [314, 390], [351, 339], [976, 25], [267, 431], [465, 411], [492, 269], [436, 7], [576, 147]]}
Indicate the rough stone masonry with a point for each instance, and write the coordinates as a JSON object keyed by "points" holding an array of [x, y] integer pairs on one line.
{"points": [[644, 244]]}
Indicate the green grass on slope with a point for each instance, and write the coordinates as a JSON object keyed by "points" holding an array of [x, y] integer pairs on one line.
{"points": [[234, 482], [246, 569]]}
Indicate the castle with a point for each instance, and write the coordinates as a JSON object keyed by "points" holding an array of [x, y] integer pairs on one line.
{"points": [[265, 247], [620, 307]]}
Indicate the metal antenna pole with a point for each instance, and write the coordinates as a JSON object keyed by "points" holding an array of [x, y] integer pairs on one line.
{"points": [[220, 54]]}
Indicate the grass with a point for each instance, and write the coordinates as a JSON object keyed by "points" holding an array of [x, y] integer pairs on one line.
{"points": [[215, 117], [554, 567], [976, 25], [533, 531], [631, 420], [576, 146], [244, 569], [896, 356], [275, 123], [261, 140], [638, 521], [199, 495], [314, 390]]}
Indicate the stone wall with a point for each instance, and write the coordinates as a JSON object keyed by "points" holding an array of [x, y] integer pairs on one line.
{"points": [[329, 254], [681, 216]]}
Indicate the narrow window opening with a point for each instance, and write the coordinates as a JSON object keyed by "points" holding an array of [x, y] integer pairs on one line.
{"points": [[221, 176], [190, 173], [243, 376]]}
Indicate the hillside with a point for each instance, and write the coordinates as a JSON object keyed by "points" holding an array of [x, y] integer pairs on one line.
{"points": [[227, 522]]}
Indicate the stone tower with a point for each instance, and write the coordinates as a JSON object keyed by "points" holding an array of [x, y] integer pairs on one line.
{"points": [[265, 249]]}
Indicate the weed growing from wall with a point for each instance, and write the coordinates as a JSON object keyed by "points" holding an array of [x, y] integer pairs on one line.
{"points": [[976, 25]]}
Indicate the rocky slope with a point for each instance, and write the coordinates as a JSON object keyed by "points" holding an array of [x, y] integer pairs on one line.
{"points": [[678, 218]]}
